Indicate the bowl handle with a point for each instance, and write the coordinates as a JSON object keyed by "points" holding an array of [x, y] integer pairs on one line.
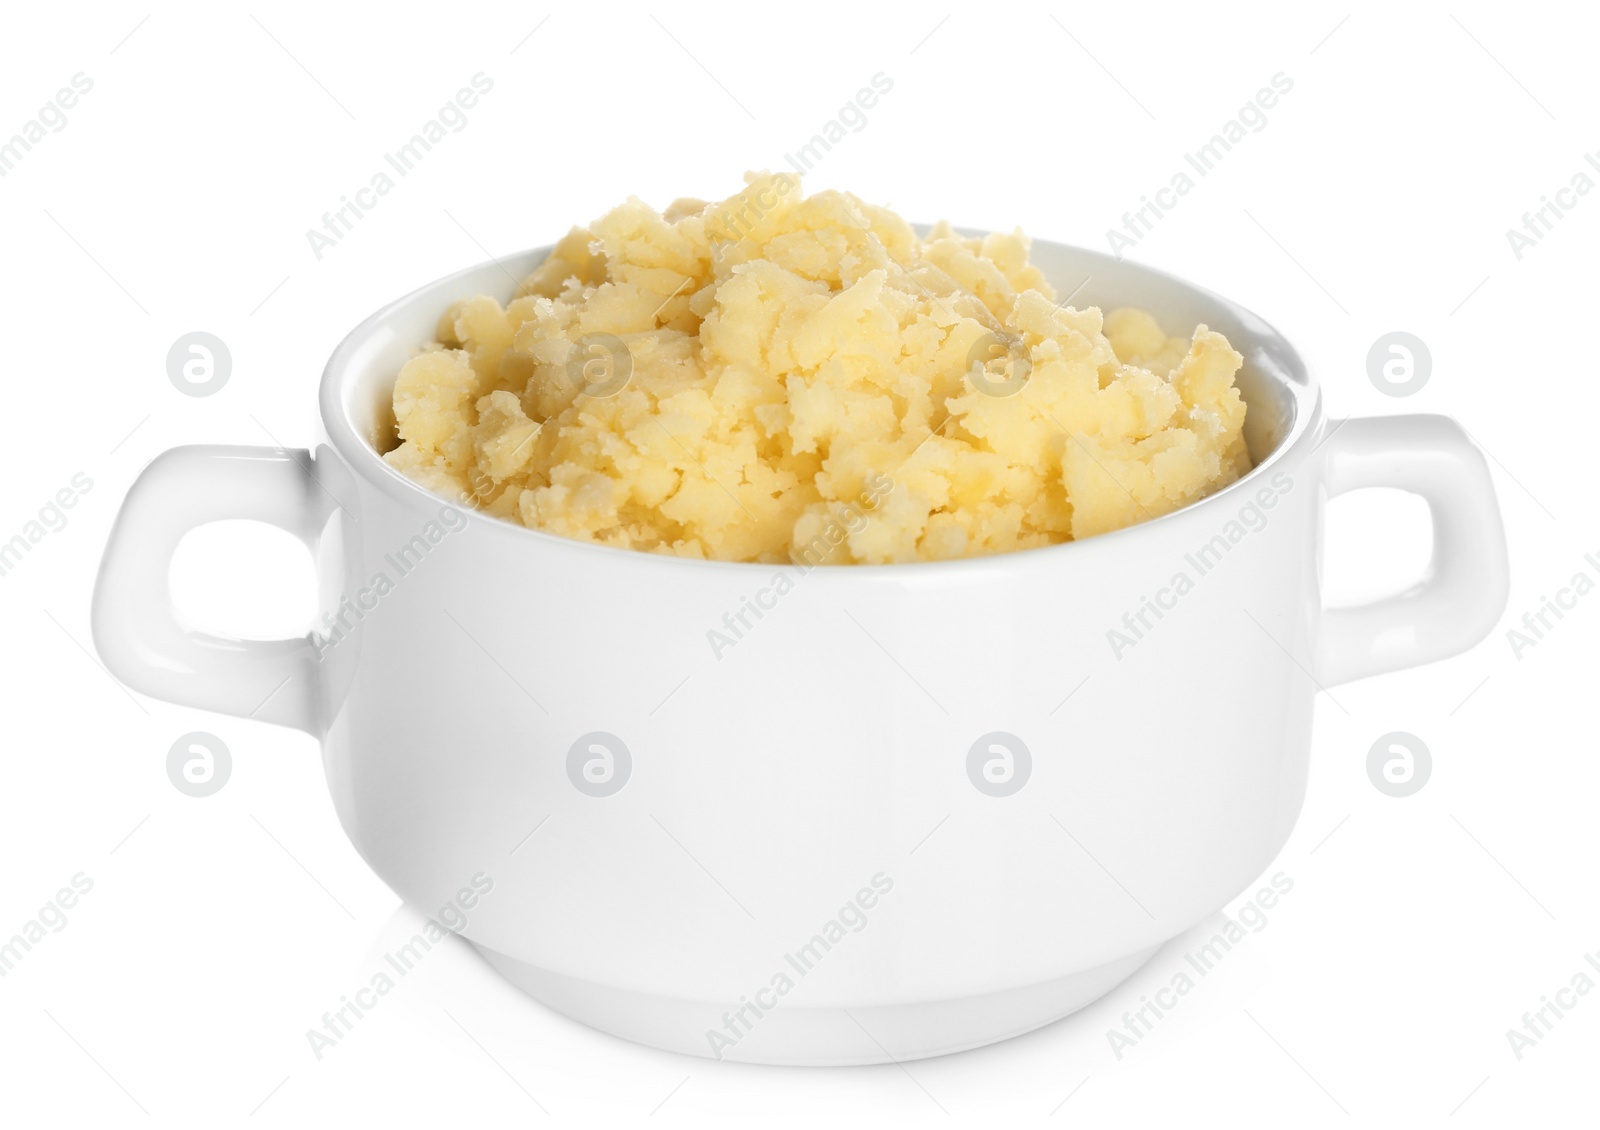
{"points": [[1461, 596], [136, 629]]}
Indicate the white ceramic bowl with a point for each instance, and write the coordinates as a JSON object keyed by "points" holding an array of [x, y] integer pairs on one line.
{"points": [[806, 860]]}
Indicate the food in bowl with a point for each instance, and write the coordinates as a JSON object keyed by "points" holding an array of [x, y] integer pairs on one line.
{"points": [[781, 377]]}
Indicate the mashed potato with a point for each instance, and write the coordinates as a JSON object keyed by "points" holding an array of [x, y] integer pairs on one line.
{"points": [[779, 377]]}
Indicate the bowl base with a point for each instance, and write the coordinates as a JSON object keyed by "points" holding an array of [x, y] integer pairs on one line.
{"points": [[814, 1037]]}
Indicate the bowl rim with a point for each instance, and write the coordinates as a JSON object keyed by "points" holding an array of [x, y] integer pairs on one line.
{"points": [[364, 459]]}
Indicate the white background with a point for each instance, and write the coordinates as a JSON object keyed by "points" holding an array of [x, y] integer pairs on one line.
{"points": [[1377, 198]]}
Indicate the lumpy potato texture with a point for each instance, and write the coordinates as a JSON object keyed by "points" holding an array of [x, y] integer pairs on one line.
{"points": [[783, 378]]}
